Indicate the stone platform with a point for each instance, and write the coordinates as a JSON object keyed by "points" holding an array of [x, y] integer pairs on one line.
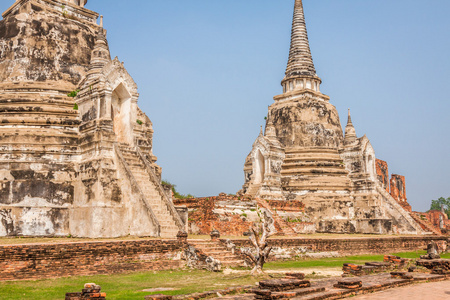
{"points": [[338, 288]]}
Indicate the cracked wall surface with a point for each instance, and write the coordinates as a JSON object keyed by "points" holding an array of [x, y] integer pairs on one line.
{"points": [[67, 112]]}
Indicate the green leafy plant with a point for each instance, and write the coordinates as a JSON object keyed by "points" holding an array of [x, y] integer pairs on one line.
{"points": [[75, 106], [73, 94], [437, 205], [289, 220], [176, 194], [139, 122]]}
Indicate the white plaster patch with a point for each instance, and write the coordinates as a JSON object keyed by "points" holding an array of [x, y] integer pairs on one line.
{"points": [[36, 222], [2, 230], [351, 212], [6, 175], [36, 167], [34, 202]]}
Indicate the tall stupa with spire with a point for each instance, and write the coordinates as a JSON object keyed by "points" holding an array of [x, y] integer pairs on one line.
{"points": [[304, 156]]}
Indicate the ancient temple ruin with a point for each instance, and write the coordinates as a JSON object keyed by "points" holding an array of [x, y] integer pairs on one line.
{"points": [[304, 155], [75, 149]]}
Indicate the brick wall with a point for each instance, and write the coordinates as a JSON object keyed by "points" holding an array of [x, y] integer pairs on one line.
{"points": [[398, 190], [203, 217], [37, 261], [383, 173], [355, 246], [396, 186]]}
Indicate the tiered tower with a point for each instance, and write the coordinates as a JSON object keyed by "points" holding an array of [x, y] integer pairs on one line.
{"points": [[304, 156], [75, 150]]}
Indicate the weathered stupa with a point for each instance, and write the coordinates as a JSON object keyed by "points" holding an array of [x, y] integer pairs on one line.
{"points": [[303, 155], [75, 150]]}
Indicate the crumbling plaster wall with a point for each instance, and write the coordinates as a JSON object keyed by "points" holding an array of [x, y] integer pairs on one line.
{"points": [[59, 173], [38, 46], [306, 121], [42, 57]]}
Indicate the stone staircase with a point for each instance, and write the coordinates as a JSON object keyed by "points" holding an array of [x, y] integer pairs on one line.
{"points": [[218, 251], [167, 222], [319, 169], [399, 209], [253, 190]]}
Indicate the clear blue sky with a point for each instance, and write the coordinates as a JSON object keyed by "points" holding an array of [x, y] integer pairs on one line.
{"points": [[208, 69]]}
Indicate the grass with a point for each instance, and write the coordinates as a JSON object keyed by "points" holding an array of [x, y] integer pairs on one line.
{"points": [[126, 286], [130, 286], [336, 262]]}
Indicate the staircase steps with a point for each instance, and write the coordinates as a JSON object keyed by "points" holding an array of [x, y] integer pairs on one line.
{"points": [[169, 229], [253, 190], [218, 251]]}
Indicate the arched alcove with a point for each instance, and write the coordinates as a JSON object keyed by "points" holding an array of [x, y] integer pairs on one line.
{"points": [[259, 167], [121, 114]]}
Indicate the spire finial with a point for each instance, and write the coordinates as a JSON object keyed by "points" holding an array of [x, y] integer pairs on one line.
{"points": [[300, 59], [101, 21], [350, 132], [261, 131]]}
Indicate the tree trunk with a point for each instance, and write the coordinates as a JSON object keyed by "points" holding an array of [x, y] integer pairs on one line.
{"points": [[260, 245]]}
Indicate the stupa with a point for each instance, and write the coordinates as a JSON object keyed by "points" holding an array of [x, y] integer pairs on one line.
{"points": [[303, 155], [75, 149]]}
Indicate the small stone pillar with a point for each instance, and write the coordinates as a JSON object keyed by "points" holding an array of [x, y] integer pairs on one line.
{"points": [[182, 236], [215, 235]]}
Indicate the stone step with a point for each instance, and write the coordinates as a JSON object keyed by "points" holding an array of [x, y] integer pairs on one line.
{"points": [[127, 149], [130, 155], [307, 171], [222, 257], [210, 248]]}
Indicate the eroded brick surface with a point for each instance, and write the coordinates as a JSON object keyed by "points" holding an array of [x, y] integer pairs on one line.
{"points": [[58, 260], [383, 173]]}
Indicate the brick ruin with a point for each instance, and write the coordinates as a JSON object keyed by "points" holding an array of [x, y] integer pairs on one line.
{"points": [[396, 186], [435, 221], [75, 149], [398, 190], [39, 261], [233, 215], [304, 155], [383, 174]]}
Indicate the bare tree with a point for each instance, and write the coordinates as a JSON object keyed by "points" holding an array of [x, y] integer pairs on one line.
{"points": [[259, 235]]}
